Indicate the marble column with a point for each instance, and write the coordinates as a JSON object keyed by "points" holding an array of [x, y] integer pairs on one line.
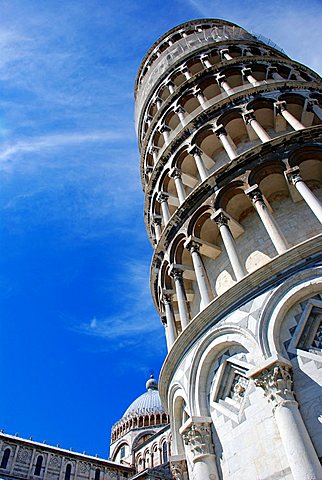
{"points": [[272, 72], [186, 72], [162, 198], [171, 87], [196, 153], [158, 102], [280, 109], [180, 111], [154, 151], [229, 243], [157, 220], [148, 120], [201, 274], [278, 239], [276, 381], [205, 61], [221, 133], [247, 73], [171, 328], [197, 438], [198, 93], [175, 173], [249, 119], [294, 178], [222, 82], [176, 274], [165, 131], [224, 53]]}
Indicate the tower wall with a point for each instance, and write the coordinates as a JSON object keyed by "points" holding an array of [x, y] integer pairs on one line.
{"points": [[230, 134]]}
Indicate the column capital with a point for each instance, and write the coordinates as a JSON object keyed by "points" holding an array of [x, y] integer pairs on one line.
{"points": [[277, 383], [293, 175], [254, 194], [157, 99], [164, 128], [162, 197], [219, 77], [179, 109], [176, 273], [245, 71], [178, 467], [196, 91], [194, 150], [219, 130], [192, 245], [175, 173], [169, 83], [271, 69], [311, 102], [157, 220], [184, 69], [154, 149], [166, 297], [197, 435], [248, 116], [220, 218], [279, 107], [222, 51]]}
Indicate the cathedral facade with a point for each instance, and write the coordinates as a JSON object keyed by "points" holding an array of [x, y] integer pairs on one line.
{"points": [[230, 135]]}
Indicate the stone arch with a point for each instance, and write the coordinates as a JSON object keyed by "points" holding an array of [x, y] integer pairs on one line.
{"points": [[210, 145], [270, 179], [233, 200], [217, 342], [279, 302], [308, 159], [235, 127], [177, 401]]}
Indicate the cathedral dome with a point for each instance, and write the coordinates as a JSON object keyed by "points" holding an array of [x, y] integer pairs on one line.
{"points": [[147, 403]]}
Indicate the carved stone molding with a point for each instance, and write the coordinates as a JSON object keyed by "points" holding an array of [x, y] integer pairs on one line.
{"points": [[178, 468]]}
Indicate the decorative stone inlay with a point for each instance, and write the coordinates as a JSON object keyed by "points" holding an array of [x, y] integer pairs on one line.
{"points": [[24, 455], [83, 467], [198, 437], [317, 340], [55, 461], [277, 384]]}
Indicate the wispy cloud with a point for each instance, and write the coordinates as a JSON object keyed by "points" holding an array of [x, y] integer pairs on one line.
{"points": [[136, 318], [53, 141]]}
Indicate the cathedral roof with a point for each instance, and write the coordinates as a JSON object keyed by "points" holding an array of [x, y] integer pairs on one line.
{"points": [[147, 403]]}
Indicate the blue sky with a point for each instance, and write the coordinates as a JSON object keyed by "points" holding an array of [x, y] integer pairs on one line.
{"points": [[79, 331]]}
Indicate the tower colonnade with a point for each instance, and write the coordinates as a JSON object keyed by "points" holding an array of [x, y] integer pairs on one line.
{"points": [[230, 135]]}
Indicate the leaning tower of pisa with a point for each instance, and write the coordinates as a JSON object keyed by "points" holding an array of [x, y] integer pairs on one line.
{"points": [[230, 135]]}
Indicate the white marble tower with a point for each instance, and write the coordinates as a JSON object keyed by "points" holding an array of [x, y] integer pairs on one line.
{"points": [[230, 135]]}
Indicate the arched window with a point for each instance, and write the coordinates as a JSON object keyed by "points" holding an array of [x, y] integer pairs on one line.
{"points": [[97, 474], [68, 471], [38, 465], [5, 458], [165, 452]]}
